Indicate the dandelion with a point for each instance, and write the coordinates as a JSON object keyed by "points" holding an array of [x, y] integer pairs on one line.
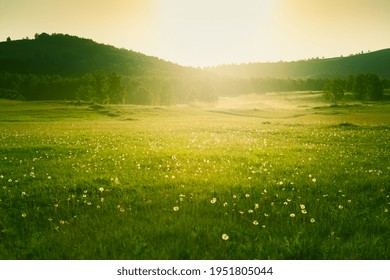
{"points": [[56, 205], [101, 189], [302, 206], [62, 222], [24, 215], [314, 180], [341, 206], [256, 206], [213, 200], [50, 219], [176, 208], [225, 204], [292, 215], [255, 223], [247, 195], [263, 226], [250, 211], [102, 199], [312, 220], [122, 210], [266, 215], [234, 196], [225, 236], [386, 210], [304, 211], [23, 193]]}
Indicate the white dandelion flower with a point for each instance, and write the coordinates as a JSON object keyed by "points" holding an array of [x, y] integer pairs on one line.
{"points": [[225, 236]]}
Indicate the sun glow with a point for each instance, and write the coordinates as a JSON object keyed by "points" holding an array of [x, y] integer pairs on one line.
{"points": [[215, 30], [208, 33]]}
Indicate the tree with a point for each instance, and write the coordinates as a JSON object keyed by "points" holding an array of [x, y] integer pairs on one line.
{"points": [[144, 96], [8, 39], [100, 88], [359, 87], [116, 90], [374, 87], [334, 90], [367, 86]]}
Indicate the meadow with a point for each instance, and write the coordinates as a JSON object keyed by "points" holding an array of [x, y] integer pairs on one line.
{"points": [[271, 176]]}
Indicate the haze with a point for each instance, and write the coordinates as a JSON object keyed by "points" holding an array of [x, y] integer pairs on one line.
{"points": [[205, 33]]}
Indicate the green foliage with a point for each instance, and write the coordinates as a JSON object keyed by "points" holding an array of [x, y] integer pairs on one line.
{"points": [[334, 90], [367, 87]]}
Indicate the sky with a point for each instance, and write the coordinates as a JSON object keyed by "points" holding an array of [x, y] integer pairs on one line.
{"points": [[210, 32]]}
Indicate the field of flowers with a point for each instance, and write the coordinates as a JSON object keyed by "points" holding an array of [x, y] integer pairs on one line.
{"points": [[133, 182]]}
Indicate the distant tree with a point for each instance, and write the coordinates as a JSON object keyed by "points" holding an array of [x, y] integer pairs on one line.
{"points": [[100, 88], [359, 87], [41, 36], [334, 90], [349, 83], [144, 96], [8, 39], [374, 87], [166, 93], [367, 86], [116, 89], [94, 87]]}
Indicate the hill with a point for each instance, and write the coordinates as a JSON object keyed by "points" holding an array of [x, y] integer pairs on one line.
{"points": [[70, 55], [374, 62]]}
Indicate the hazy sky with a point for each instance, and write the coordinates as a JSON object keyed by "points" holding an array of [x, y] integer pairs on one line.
{"points": [[210, 32]]}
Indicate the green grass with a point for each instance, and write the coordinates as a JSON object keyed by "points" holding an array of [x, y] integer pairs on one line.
{"points": [[307, 181]]}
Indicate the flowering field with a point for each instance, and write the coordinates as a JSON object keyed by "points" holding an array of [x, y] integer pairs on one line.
{"points": [[133, 182]]}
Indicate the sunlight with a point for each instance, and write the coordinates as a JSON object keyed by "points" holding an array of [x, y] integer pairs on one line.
{"points": [[214, 31]]}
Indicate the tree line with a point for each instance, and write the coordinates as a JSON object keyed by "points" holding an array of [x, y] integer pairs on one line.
{"points": [[112, 88], [362, 86]]}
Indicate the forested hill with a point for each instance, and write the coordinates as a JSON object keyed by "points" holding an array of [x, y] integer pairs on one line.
{"points": [[70, 55], [377, 62]]}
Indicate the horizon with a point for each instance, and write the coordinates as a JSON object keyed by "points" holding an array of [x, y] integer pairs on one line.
{"points": [[208, 34], [203, 67]]}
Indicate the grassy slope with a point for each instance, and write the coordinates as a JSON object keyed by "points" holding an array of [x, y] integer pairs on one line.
{"points": [[102, 183]]}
